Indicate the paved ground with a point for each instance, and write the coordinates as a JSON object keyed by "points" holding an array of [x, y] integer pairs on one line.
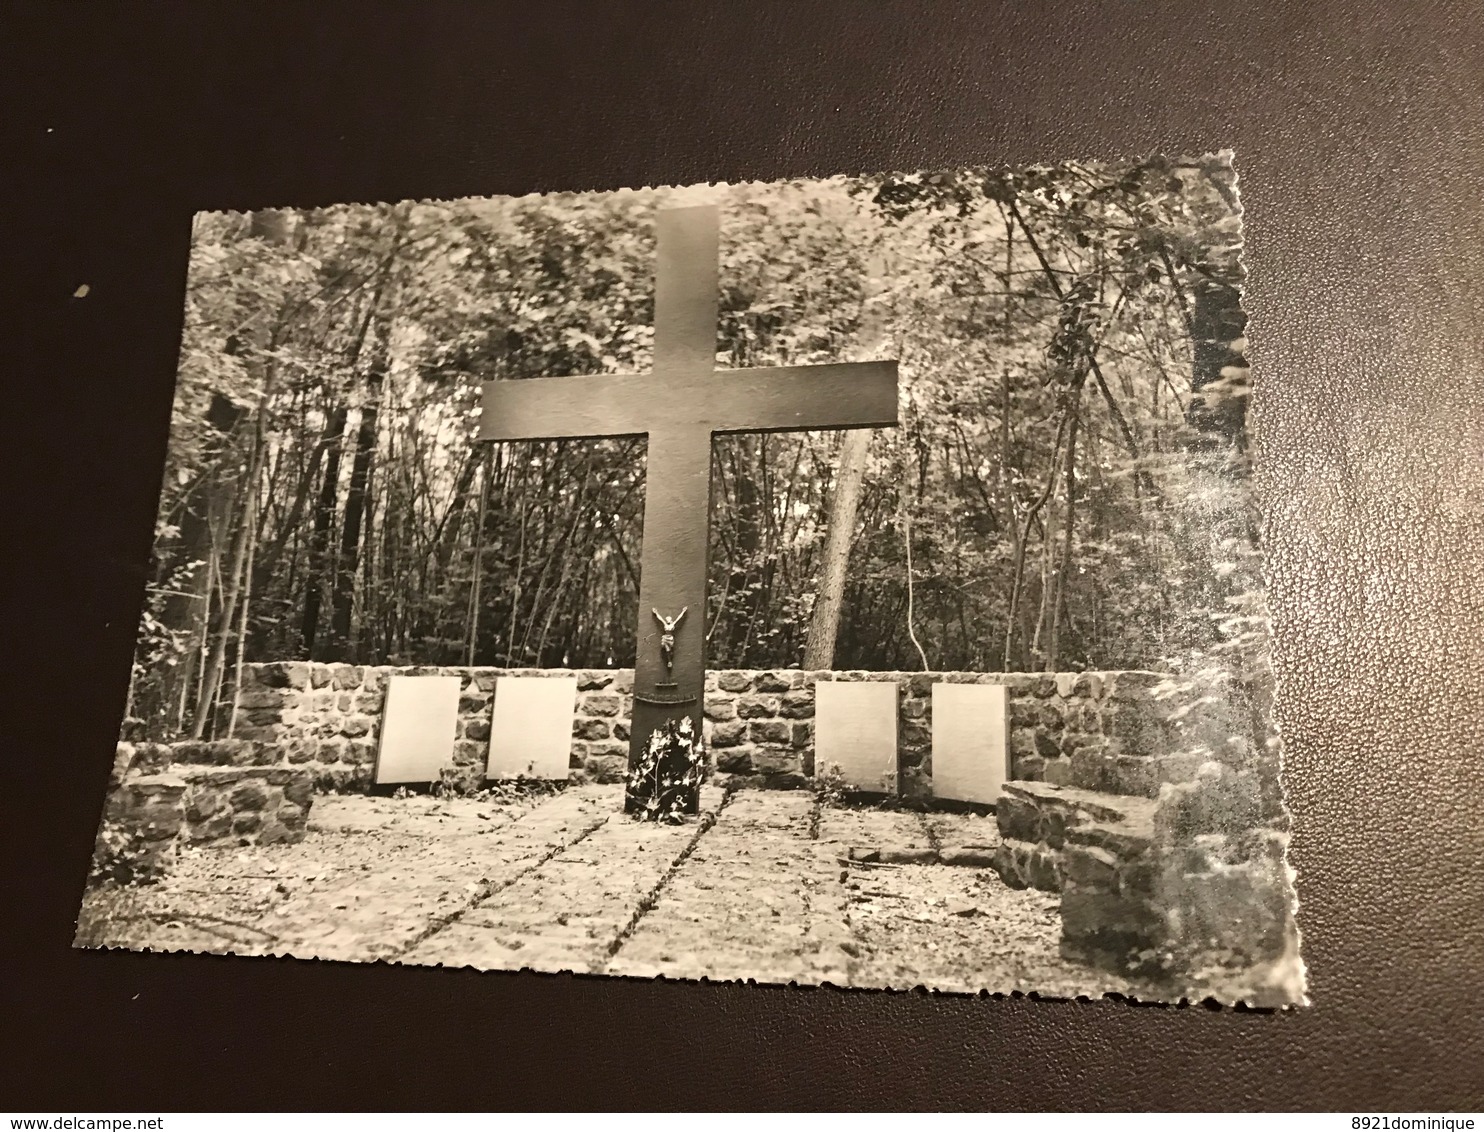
{"points": [[763, 885]]}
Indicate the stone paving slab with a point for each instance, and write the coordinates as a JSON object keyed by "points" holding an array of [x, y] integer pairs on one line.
{"points": [[945, 928], [756, 899], [760, 887], [380, 914], [373, 875], [963, 831], [907, 837], [952, 929], [848, 829], [567, 914], [420, 814]]}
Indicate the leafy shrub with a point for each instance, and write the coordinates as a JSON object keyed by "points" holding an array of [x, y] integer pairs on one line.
{"points": [[122, 857], [829, 784], [469, 782], [666, 782]]}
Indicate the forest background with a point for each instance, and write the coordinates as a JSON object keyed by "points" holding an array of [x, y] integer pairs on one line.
{"points": [[1068, 487]]}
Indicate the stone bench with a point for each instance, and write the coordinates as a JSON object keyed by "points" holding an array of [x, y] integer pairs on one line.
{"points": [[1036, 821], [1190, 882], [260, 805], [155, 806]]}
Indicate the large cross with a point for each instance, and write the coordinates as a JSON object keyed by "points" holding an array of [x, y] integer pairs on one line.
{"points": [[681, 405]]}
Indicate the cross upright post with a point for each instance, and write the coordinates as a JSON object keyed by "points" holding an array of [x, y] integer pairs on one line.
{"points": [[680, 406]]}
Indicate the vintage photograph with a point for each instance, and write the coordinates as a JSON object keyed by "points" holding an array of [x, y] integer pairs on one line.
{"points": [[849, 581]]}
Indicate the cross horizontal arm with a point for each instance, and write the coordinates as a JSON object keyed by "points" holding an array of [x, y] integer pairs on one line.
{"points": [[838, 395], [554, 408], [788, 398]]}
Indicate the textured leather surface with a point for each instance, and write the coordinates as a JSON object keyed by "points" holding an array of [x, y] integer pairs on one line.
{"points": [[1359, 131]]}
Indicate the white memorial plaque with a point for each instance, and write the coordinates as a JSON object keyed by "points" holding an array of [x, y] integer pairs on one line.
{"points": [[531, 732], [418, 726], [855, 727], [971, 758]]}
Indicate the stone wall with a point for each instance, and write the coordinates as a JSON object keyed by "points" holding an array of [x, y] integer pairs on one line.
{"points": [[141, 825], [1192, 886], [1038, 819], [163, 796], [259, 805], [1090, 729]]}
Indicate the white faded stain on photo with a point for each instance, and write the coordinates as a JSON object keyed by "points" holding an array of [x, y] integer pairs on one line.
{"points": [[848, 580]]}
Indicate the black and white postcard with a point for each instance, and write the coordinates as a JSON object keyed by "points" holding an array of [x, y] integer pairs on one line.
{"points": [[848, 581]]}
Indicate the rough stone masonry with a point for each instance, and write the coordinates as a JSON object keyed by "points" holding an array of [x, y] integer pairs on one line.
{"points": [[1186, 881], [1101, 727], [163, 796], [1161, 828]]}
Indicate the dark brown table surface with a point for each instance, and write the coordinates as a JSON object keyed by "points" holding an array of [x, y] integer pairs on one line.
{"points": [[1359, 131]]}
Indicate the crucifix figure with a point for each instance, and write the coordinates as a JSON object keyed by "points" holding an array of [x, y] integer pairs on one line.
{"points": [[667, 637], [680, 406]]}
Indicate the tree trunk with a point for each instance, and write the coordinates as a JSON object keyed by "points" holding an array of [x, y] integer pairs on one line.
{"points": [[274, 226], [1007, 480], [1012, 513], [324, 514], [1017, 583], [447, 537], [247, 585], [267, 563], [824, 623], [1059, 594], [343, 596], [195, 659], [911, 628], [188, 606], [474, 596], [232, 585], [319, 540]]}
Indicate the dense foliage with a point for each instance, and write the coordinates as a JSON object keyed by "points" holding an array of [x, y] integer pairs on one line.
{"points": [[1065, 490]]}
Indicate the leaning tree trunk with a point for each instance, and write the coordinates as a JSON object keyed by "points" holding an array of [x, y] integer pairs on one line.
{"points": [[266, 566], [188, 606], [1017, 580], [1007, 477], [234, 582], [824, 623], [478, 558], [324, 513], [249, 520]]}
